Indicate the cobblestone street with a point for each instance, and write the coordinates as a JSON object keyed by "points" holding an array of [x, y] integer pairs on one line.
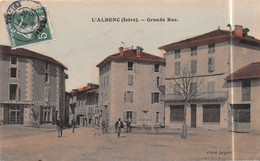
{"points": [[31, 144]]}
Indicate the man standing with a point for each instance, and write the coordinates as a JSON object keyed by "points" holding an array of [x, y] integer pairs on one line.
{"points": [[119, 124], [73, 124], [103, 125], [58, 126]]}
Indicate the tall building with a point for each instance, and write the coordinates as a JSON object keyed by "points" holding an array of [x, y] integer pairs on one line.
{"points": [[84, 106], [128, 87], [32, 87], [212, 57]]}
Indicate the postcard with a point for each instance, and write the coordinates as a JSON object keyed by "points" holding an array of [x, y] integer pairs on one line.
{"points": [[121, 80]]}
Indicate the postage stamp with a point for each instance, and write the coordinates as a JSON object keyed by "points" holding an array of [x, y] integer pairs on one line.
{"points": [[27, 23]]}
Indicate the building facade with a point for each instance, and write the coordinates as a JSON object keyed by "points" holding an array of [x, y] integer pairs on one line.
{"points": [[32, 87], [84, 106], [244, 89], [129, 82], [212, 57]]}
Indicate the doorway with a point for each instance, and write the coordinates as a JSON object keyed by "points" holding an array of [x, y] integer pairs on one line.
{"points": [[193, 115]]}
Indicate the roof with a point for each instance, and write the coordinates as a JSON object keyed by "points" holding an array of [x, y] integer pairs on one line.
{"points": [[215, 36], [130, 55], [250, 71], [29, 54], [90, 88]]}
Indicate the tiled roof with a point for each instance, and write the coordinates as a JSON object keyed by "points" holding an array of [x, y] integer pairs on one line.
{"points": [[29, 54], [130, 55], [250, 71], [215, 36], [86, 89]]}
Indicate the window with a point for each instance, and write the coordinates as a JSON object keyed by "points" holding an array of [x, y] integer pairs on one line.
{"points": [[177, 113], [193, 66], [14, 113], [46, 94], [211, 113], [211, 48], [46, 113], [176, 89], [130, 115], [13, 60], [177, 67], [47, 66], [211, 87], [13, 91], [193, 87], [156, 67], [130, 65], [46, 77], [177, 53], [194, 51], [211, 64], [157, 117], [155, 97], [246, 90], [158, 81], [130, 79], [128, 97], [13, 72]]}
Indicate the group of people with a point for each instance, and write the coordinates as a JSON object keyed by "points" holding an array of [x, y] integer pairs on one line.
{"points": [[118, 126]]}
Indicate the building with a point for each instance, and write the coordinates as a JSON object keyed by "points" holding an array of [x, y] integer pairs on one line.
{"points": [[128, 87], [212, 57], [84, 106], [32, 87], [244, 99]]}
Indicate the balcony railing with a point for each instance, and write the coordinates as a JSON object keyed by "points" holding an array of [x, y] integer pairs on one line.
{"points": [[207, 96]]}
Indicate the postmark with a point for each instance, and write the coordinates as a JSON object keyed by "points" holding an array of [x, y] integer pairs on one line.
{"points": [[27, 23]]}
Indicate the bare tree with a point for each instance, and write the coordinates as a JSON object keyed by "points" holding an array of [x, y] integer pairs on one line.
{"points": [[185, 85]]}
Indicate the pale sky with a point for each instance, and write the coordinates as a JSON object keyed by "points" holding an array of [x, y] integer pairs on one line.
{"points": [[81, 44]]}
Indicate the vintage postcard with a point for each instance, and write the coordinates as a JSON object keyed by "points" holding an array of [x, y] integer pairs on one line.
{"points": [[129, 80]]}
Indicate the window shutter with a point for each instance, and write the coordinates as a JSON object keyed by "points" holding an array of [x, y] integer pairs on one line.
{"points": [[152, 98], [160, 68], [125, 97], [124, 116], [18, 72], [134, 117], [213, 64], [132, 97], [8, 72]]}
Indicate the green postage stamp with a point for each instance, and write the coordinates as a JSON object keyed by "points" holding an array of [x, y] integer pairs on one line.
{"points": [[27, 23]]}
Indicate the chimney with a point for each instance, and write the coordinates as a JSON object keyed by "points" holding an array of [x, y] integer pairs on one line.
{"points": [[139, 51], [238, 30], [121, 51]]}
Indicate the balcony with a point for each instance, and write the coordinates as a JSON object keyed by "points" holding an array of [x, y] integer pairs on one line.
{"points": [[206, 96]]}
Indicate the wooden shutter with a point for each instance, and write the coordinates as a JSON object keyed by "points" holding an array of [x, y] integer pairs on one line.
{"points": [[134, 117], [125, 97], [213, 64], [152, 98], [131, 96], [124, 116]]}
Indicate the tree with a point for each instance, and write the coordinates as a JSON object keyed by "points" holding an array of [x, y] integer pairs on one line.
{"points": [[185, 85]]}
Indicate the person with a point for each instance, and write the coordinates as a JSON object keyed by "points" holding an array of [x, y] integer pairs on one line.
{"points": [[73, 124], [61, 127], [58, 126], [103, 125], [119, 124], [128, 125]]}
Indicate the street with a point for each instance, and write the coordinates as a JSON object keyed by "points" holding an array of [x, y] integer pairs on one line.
{"points": [[42, 144]]}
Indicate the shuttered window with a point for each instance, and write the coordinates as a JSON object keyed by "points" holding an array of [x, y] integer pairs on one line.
{"points": [[211, 64], [177, 67], [246, 90], [193, 66], [177, 113], [211, 113], [130, 79], [129, 96]]}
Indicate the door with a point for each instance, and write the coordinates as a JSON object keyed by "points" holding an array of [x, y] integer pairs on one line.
{"points": [[14, 114], [193, 116]]}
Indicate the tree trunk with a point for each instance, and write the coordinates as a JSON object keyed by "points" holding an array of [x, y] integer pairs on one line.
{"points": [[184, 125]]}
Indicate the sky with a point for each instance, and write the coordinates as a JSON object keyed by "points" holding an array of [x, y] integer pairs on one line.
{"points": [[81, 44]]}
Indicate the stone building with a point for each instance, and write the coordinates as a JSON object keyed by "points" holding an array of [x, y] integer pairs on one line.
{"points": [[244, 90], [32, 87], [212, 56], [128, 87], [84, 106]]}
